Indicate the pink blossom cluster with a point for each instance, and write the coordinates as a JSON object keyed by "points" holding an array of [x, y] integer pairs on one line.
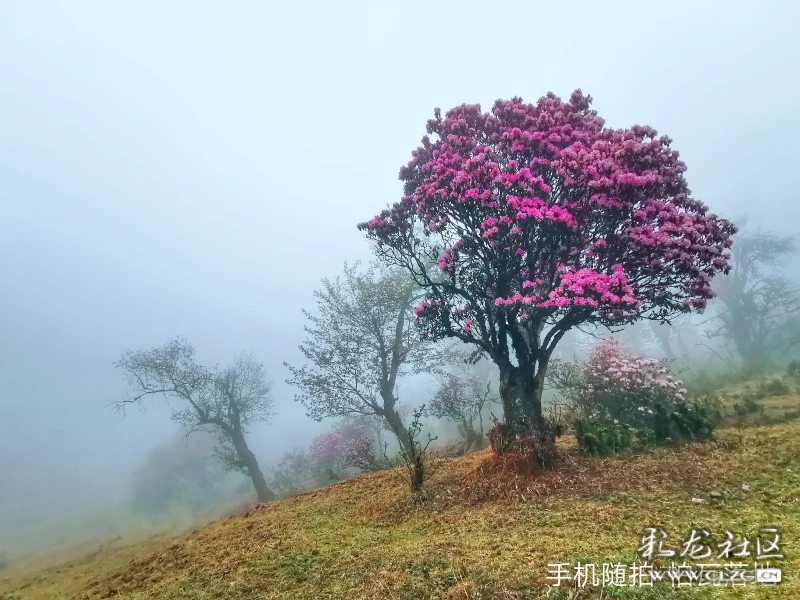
{"points": [[590, 288], [332, 451], [611, 369], [447, 261], [360, 452], [327, 447], [579, 288], [539, 209]]}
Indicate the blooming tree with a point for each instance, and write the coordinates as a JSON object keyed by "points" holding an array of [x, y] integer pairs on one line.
{"points": [[326, 450], [524, 222], [366, 448]]}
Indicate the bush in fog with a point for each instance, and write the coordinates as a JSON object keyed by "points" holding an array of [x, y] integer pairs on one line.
{"points": [[614, 384], [181, 474], [327, 453], [329, 457], [360, 454], [793, 369], [292, 474], [618, 398]]}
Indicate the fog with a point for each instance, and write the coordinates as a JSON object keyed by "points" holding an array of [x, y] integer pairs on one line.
{"points": [[190, 169]]}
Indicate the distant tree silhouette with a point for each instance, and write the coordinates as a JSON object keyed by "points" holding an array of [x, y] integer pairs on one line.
{"points": [[223, 402]]}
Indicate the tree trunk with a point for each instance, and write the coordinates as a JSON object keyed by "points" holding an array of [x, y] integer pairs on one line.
{"points": [[662, 333], [418, 474], [471, 439], [400, 430], [263, 493], [413, 460], [521, 393], [754, 359]]}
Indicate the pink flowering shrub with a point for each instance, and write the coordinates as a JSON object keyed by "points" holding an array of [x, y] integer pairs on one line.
{"points": [[326, 457], [618, 396], [542, 218], [326, 450], [360, 453], [615, 384]]}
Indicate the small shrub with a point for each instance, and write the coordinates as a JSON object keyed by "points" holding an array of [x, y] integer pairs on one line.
{"points": [[414, 457], [774, 387], [688, 420], [790, 415], [749, 400], [4, 562], [748, 406], [693, 420], [645, 438], [499, 438], [602, 438], [706, 382]]}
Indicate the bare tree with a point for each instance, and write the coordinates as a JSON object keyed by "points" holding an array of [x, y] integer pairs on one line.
{"points": [[359, 343], [757, 302], [462, 400], [223, 402]]}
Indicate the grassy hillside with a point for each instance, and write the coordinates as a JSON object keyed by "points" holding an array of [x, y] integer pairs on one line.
{"points": [[476, 532]]}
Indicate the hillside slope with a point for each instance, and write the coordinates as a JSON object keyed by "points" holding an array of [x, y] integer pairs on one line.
{"points": [[474, 533]]}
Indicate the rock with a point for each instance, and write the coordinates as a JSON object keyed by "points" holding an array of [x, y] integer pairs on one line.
{"points": [[716, 494]]}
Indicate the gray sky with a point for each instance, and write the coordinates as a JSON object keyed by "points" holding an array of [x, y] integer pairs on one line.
{"points": [[195, 168]]}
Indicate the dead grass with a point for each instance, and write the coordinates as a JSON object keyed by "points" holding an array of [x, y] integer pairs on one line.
{"points": [[477, 531]]}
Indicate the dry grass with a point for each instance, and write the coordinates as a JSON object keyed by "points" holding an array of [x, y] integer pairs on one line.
{"points": [[477, 531]]}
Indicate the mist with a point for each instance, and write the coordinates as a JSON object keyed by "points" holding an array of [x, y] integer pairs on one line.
{"points": [[192, 169]]}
